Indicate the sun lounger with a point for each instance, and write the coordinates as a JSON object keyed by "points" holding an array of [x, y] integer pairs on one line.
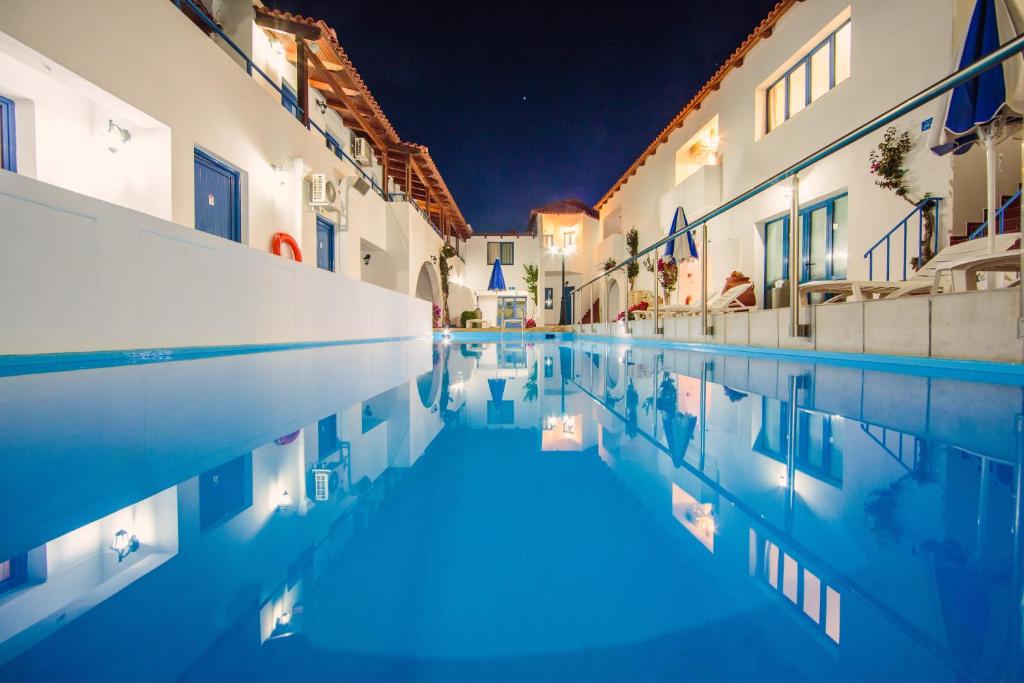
{"points": [[724, 302], [963, 274], [921, 282]]}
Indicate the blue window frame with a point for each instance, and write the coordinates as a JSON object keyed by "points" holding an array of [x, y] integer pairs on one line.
{"points": [[823, 237], [13, 572], [816, 73], [324, 244], [290, 100], [819, 447], [334, 145], [8, 154]]}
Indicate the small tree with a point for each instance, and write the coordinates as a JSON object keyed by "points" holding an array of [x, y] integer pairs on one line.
{"points": [[888, 163], [531, 276], [632, 247], [447, 251]]}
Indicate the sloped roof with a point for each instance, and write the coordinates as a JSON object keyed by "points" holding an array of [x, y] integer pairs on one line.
{"points": [[409, 164], [763, 31], [563, 207]]}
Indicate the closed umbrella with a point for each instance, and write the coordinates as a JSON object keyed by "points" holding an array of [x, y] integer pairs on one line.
{"points": [[688, 250], [985, 108], [497, 282]]}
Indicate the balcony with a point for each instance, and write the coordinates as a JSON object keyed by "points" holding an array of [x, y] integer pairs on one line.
{"points": [[698, 193], [611, 247]]}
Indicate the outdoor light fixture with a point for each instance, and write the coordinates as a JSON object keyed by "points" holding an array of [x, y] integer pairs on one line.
{"points": [[321, 105], [124, 545], [116, 136], [285, 502], [433, 259], [366, 260]]}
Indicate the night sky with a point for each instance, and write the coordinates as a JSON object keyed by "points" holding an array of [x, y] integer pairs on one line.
{"points": [[524, 104]]}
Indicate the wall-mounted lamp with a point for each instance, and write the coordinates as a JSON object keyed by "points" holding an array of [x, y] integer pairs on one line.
{"points": [[285, 501], [433, 259], [276, 47], [116, 137], [124, 545], [366, 260], [321, 105]]}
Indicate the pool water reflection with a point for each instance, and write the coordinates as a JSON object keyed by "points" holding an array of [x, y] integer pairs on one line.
{"points": [[550, 511]]}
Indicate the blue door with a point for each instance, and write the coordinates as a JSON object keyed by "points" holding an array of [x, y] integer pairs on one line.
{"points": [[324, 243], [567, 293], [8, 159], [218, 210]]}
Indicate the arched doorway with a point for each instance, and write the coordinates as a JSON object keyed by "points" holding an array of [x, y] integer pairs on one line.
{"points": [[614, 304], [428, 286]]}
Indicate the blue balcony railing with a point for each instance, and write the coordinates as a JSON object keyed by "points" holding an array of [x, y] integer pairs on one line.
{"points": [[1000, 218], [900, 233]]}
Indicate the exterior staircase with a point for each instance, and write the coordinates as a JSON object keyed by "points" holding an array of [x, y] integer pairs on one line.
{"points": [[1008, 220]]}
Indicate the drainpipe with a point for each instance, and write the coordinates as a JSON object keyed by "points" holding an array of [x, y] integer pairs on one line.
{"points": [[795, 329]]}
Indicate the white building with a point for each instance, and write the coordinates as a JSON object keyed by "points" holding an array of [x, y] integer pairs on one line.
{"points": [[808, 74], [123, 121]]}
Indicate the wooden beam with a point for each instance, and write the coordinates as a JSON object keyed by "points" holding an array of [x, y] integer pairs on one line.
{"points": [[297, 28], [349, 103], [302, 76]]}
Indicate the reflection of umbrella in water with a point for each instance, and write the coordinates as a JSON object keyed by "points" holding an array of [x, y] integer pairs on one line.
{"points": [[733, 395], [497, 387], [679, 428]]}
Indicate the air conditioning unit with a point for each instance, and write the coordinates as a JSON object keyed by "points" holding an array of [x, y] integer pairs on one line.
{"points": [[322, 191], [361, 151]]}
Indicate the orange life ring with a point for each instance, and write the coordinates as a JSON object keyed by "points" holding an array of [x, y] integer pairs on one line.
{"points": [[283, 237]]}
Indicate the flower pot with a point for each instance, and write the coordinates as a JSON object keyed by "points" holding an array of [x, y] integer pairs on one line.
{"points": [[735, 279]]}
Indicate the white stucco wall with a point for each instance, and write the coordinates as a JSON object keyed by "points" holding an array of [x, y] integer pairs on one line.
{"points": [[197, 91], [78, 274]]}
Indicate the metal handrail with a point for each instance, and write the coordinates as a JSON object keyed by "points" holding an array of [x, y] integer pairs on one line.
{"points": [[980, 230], [933, 91], [251, 66], [887, 238]]}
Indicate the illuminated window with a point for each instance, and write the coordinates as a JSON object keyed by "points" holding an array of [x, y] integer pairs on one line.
{"points": [[569, 239], [549, 240], [799, 587], [817, 72], [503, 250]]}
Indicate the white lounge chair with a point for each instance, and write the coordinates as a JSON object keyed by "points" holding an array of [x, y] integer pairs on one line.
{"points": [[963, 274], [921, 282], [723, 302]]}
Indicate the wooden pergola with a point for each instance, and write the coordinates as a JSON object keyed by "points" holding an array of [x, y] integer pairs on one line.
{"points": [[321, 62]]}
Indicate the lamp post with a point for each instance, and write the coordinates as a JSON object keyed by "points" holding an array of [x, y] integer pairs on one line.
{"points": [[563, 252]]}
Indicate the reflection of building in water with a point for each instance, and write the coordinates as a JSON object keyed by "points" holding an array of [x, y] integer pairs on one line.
{"points": [[45, 587], [897, 484], [798, 585], [276, 502]]}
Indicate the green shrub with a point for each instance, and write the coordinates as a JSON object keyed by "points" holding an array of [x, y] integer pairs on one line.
{"points": [[469, 315]]}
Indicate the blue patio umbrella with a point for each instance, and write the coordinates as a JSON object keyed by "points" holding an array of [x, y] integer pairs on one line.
{"points": [[984, 108], [689, 247], [497, 282]]}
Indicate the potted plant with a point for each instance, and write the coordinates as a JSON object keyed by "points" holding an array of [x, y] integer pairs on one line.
{"points": [[888, 163], [609, 264]]}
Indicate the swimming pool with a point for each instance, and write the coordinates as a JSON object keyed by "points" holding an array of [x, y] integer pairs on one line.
{"points": [[545, 510]]}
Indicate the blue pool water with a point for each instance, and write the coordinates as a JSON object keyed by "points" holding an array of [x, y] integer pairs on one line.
{"points": [[539, 511]]}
